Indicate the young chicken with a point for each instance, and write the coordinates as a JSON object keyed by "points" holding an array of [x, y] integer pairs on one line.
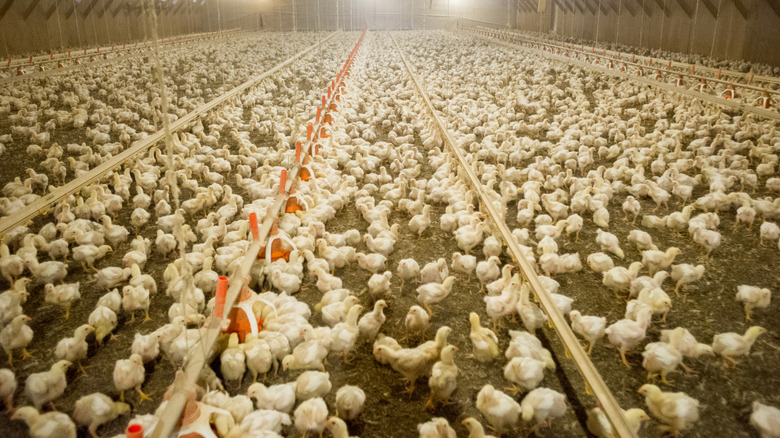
{"points": [[500, 410], [337, 427], [232, 361], [484, 341], [657, 300], [487, 271], [525, 373], [104, 321], [542, 405], [766, 419], [627, 334], [344, 334], [146, 346], [642, 240], [599, 425], [259, 358], [379, 285], [416, 322], [419, 223], [754, 298], [475, 428], [311, 415], [465, 264], [7, 388], [655, 261], [619, 278], [306, 355], [96, 409], [408, 269], [48, 425], [434, 272], [660, 358], [443, 378], [135, 298], [371, 322], [589, 327], [74, 349], [600, 262], [681, 339], [432, 293], [506, 303], [524, 344], [676, 410], [609, 243], [684, 273], [311, 384], [129, 374], [349, 402], [44, 387], [17, 334], [277, 397], [62, 295], [733, 344], [436, 428]]}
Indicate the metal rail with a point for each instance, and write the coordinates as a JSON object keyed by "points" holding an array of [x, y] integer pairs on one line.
{"points": [[131, 53], [592, 377], [731, 103], [79, 53], [200, 352], [42, 204], [651, 63], [681, 67]]}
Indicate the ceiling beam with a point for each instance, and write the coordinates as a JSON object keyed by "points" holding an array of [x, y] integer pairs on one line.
{"points": [[105, 7], [710, 7], [687, 9], [612, 6], [589, 7], [30, 9], [743, 11], [6, 7], [578, 6], [646, 7], [119, 8], [775, 4], [627, 4], [89, 9], [663, 7]]}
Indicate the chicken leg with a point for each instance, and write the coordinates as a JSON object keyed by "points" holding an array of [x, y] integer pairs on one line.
{"points": [[623, 356], [142, 395]]}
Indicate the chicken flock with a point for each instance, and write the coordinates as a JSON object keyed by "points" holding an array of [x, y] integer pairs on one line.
{"points": [[554, 147]]}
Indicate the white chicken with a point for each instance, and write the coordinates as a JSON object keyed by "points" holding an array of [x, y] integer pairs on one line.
{"points": [[349, 402], [130, 374], [500, 410], [753, 297], [676, 410], [42, 388]]}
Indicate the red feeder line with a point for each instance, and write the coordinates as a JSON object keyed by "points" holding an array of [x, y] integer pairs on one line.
{"points": [[219, 303], [253, 225], [282, 181]]}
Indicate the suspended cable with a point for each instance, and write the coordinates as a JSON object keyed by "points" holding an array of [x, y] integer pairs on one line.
{"points": [[693, 28], [59, 25], [715, 31], [94, 25], [642, 26], [76, 15], [598, 21], [661, 35], [617, 30], [105, 21]]}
